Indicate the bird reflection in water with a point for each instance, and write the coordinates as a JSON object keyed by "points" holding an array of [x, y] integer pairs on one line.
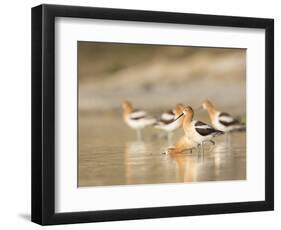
{"points": [[191, 166], [181, 153], [144, 164], [134, 150]]}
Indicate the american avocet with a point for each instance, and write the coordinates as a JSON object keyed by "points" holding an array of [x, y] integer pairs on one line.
{"points": [[221, 120], [136, 119], [197, 131], [166, 121], [183, 144]]}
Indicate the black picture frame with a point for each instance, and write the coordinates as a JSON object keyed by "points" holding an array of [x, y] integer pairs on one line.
{"points": [[43, 114]]}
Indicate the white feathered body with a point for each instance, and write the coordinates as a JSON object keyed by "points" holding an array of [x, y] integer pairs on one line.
{"points": [[226, 123], [200, 132], [139, 119], [167, 122]]}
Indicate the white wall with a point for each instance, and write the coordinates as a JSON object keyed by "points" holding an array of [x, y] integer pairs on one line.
{"points": [[15, 113]]}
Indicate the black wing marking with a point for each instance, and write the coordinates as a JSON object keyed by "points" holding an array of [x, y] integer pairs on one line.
{"points": [[137, 118], [227, 120], [166, 122], [169, 115], [205, 130], [222, 114], [137, 114], [229, 123], [200, 123]]}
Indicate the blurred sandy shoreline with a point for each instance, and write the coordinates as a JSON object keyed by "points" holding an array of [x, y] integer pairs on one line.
{"points": [[157, 79]]}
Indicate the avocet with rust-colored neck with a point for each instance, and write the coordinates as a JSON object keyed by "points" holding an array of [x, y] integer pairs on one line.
{"points": [[136, 119], [166, 121], [222, 120], [197, 131]]}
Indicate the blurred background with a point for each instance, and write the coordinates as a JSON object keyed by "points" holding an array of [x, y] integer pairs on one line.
{"points": [[155, 78]]}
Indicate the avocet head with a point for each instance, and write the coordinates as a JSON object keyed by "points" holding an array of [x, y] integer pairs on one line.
{"points": [[179, 108], [207, 104], [127, 106], [187, 110]]}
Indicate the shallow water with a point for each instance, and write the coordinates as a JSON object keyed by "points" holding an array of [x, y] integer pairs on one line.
{"points": [[109, 154]]}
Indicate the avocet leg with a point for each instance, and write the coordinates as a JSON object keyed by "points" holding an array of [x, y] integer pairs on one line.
{"points": [[139, 134], [170, 138], [198, 149], [202, 148]]}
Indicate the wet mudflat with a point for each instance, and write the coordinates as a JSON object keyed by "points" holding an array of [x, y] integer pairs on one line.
{"points": [[109, 154]]}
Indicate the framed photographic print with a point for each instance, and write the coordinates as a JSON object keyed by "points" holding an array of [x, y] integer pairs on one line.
{"points": [[141, 114]]}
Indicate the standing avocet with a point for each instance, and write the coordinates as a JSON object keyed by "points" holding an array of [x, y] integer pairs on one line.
{"points": [[221, 120], [183, 144], [166, 122], [136, 119], [197, 131]]}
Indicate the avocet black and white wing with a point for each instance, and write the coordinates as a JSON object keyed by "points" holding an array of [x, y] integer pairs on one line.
{"points": [[137, 114], [168, 115], [166, 118], [227, 120], [206, 130]]}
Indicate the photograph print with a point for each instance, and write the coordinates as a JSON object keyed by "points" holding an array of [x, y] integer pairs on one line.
{"points": [[153, 114]]}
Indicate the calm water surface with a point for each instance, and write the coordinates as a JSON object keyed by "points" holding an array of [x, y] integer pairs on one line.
{"points": [[109, 154]]}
